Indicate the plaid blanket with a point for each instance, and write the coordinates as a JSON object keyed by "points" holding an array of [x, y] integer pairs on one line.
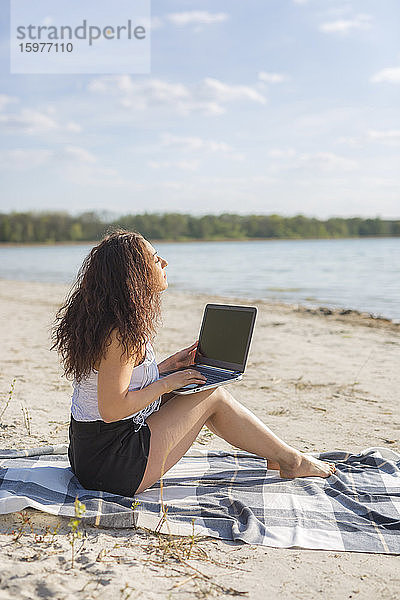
{"points": [[228, 495]]}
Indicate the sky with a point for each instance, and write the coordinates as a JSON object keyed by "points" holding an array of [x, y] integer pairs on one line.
{"points": [[250, 106]]}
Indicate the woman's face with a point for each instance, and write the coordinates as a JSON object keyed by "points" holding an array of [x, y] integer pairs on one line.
{"points": [[160, 264]]}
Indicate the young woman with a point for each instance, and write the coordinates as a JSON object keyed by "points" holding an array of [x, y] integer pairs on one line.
{"points": [[127, 429]]}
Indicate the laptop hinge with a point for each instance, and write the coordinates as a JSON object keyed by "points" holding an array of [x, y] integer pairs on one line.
{"points": [[216, 368]]}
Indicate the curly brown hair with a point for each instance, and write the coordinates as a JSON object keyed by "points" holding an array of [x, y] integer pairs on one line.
{"points": [[115, 289]]}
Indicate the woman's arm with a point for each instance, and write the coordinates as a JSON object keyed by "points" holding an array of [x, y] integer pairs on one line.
{"points": [[165, 365], [180, 359], [115, 402]]}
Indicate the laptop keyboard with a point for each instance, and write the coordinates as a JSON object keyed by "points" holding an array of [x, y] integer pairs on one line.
{"points": [[211, 376]]}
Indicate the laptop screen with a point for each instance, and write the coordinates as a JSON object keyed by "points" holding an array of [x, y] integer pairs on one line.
{"points": [[225, 336]]}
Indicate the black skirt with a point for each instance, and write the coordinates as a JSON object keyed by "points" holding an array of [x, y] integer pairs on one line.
{"points": [[111, 457]]}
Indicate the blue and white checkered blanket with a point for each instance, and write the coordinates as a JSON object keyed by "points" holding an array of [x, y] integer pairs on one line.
{"points": [[228, 495]]}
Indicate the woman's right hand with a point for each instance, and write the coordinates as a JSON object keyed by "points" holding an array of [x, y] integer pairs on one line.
{"points": [[181, 378]]}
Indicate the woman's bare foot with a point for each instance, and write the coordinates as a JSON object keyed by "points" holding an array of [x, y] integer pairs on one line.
{"points": [[274, 466], [304, 465]]}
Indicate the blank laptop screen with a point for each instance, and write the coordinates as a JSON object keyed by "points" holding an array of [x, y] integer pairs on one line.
{"points": [[225, 335]]}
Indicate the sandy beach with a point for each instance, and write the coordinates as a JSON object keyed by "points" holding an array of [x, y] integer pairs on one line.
{"points": [[320, 381]]}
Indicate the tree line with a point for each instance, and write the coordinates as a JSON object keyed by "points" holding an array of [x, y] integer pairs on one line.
{"points": [[50, 227]]}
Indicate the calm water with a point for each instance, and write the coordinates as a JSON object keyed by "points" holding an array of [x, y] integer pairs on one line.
{"points": [[362, 274]]}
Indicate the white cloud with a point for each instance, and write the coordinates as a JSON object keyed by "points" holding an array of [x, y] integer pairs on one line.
{"points": [[207, 108], [186, 165], [81, 167], [21, 158], [73, 127], [156, 23], [389, 135], [329, 121], [272, 77], [157, 91], [141, 94], [29, 121], [224, 92], [327, 161], [336, 11], [345, 26], [196, 17], [319, 161], [207, 97], [349, 141], [388, 75], [34, 122], [5, 100], [111, 84], [101, 177], [80, 154], [278, 153], [197, 144]]}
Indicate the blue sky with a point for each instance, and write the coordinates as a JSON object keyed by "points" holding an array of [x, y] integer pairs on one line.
{"points": [[251, 106]]}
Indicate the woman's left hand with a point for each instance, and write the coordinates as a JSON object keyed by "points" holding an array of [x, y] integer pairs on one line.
{"points": [[183, 358]]}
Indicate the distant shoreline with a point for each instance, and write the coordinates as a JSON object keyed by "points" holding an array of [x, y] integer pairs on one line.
{"points": [[349, 315], [352, 315], [197, 240]]}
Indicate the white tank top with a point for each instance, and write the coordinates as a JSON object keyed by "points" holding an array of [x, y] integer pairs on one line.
{"points": [[84, 406]]}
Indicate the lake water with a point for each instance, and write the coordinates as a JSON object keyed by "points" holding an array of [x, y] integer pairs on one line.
{"points": [[362, 274]]}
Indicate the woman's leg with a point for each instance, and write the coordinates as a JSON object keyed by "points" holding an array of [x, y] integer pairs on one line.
{"points": [[166, 397], [175, 426]]}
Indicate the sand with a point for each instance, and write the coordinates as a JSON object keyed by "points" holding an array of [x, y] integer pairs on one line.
{"points": [[321, 381]]}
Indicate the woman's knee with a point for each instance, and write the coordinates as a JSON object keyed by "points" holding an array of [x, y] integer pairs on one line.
{"points": [[224, 394], [221, 398]]}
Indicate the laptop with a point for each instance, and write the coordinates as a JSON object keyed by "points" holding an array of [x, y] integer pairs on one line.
{"points": [[223, 348]]}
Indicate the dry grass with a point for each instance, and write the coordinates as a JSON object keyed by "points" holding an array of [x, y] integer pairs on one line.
{"points": [[74, 523], [9, 398], [181, 560], [181, 550], [27, 419]]}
